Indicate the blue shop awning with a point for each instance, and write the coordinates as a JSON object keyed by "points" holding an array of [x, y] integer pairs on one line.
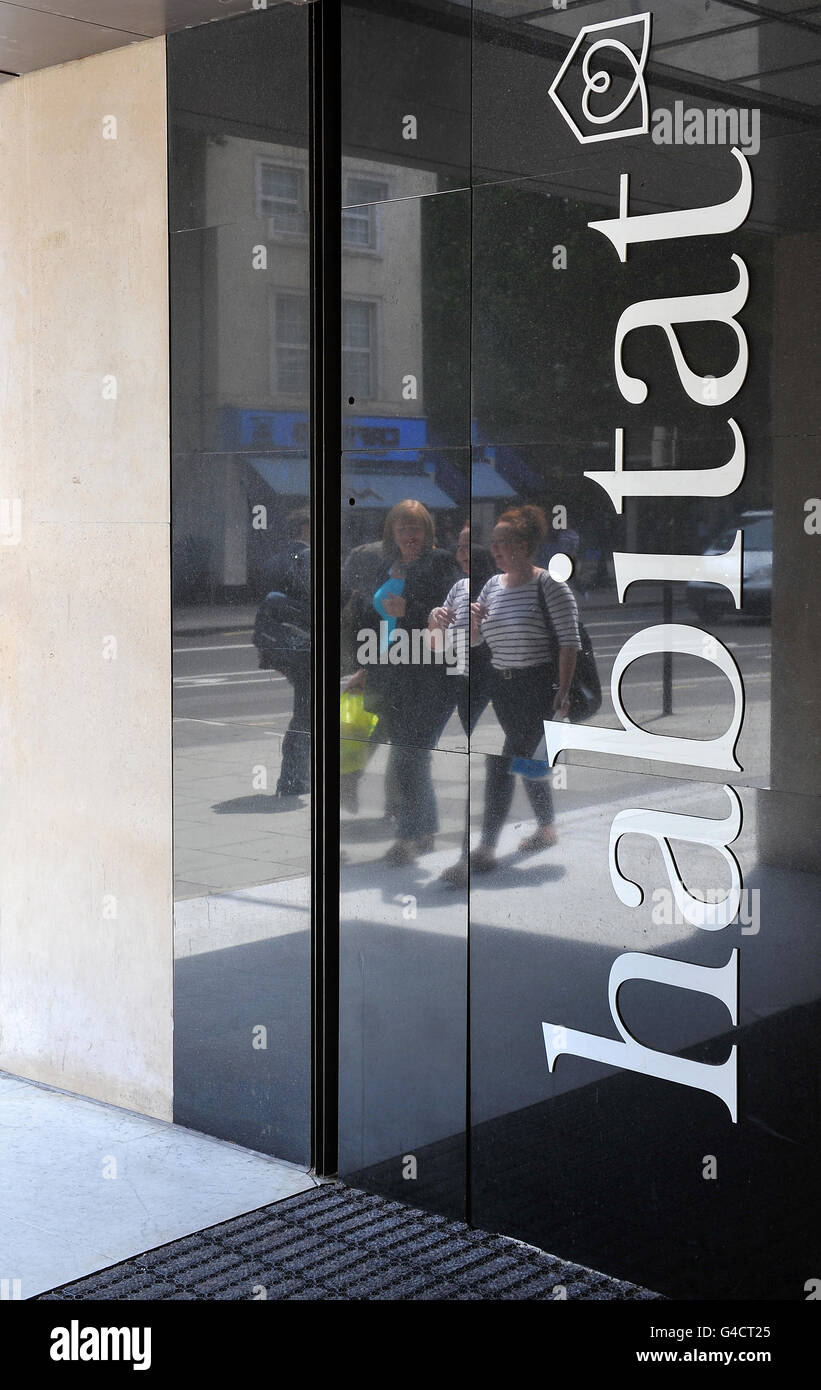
{"points": [[290, 477], [382, 492], [486, 483]]}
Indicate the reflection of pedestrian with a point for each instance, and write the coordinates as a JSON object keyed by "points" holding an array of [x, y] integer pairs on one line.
{"points": [[412, 699], [472, 690], [295, 768], [524, 616], [282, 635], [288, 572], [446, 535], [473, 685], [362, 573]]}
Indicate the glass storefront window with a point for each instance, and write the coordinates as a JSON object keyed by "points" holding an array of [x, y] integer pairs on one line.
{"points": [[577, 424], [241, 493], [603, 362]]}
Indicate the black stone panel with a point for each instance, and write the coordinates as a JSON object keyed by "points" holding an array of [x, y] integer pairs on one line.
{"points": [[406, 94]]}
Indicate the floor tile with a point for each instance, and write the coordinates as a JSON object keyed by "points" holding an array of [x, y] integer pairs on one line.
{"points": [[84, 1185]]}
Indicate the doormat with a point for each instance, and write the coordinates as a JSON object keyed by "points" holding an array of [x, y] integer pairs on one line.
{"points": [[335, 1242]]}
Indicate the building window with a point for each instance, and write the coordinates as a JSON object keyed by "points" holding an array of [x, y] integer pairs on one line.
{"points": [[292, 344], [281, 198], [360, 224], [358, 349]]}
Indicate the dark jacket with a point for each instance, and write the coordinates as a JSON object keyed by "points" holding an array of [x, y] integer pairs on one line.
{"points": [[407, 697], [289, 573], [282, 629], [427, 584]]}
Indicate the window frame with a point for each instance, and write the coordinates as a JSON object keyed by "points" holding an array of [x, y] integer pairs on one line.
{"points": [[373, 350], [278, 293], [375, 247], [290, 166]]}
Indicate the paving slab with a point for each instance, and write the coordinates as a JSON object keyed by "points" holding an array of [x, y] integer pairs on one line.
{"points": [[84, 1185]]}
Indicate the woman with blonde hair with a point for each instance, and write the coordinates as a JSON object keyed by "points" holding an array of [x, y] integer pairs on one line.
{"points": [[412, 698]]}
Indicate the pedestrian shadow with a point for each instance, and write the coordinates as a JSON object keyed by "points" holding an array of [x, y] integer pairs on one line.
{"points": [[395, 882], [256, 805], [363, 828], [512, 871]]}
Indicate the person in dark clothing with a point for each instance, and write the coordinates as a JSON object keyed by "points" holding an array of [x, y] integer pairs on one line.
{"points": [[362, 573], [413, 699], [282, 636], [289, 571], [473, 688]]}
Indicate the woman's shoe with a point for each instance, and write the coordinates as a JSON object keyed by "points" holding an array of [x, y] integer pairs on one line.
{"points": [[456, 874], [425, 844], [541, 839], [482, 860], [403, 852]]}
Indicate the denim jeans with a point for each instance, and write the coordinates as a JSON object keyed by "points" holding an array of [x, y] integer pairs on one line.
{"points": [[523, 700]]}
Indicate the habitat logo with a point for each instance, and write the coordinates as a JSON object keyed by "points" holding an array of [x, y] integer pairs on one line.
{"points": [[607, 101], [713, 126]]}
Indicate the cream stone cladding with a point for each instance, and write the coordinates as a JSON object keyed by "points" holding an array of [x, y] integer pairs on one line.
{"points": [[85, 710]]}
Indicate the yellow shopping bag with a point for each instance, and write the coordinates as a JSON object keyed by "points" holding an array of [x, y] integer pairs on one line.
{"points": [[356, 725]]}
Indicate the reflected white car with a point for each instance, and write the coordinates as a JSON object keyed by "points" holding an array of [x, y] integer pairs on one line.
{"points": [[710, 601]]}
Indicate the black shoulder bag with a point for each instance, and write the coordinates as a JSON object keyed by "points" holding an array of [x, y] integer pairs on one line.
{"points": [[585, 688]]}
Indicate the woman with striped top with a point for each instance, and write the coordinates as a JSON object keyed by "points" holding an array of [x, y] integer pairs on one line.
{"points": [[471, 695], [533, 641]]}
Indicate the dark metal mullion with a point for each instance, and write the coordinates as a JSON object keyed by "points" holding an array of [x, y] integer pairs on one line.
{"points": [[326, 450], [468, 1058]]}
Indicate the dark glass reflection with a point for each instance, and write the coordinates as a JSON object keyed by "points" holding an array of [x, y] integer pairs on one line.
{"points": [[617, 1164], [405, 98], [403, 992], [241, 578], [518, 51], [657, 869]]}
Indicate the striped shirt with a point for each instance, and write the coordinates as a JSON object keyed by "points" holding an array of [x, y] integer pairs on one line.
{"points": [[458, 601], [515, 627], [458, 634]]}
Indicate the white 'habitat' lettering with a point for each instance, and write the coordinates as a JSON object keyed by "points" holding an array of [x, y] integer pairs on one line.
{"points": [[631, 740]]}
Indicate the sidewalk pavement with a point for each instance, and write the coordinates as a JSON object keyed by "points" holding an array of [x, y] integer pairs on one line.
{"points": [[84, 1185], [195, 620]]}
